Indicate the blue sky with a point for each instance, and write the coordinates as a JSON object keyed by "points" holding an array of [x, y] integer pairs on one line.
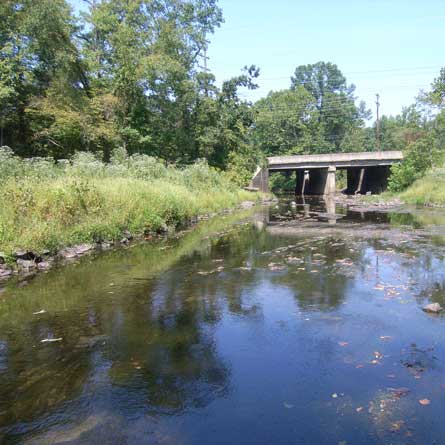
{"points": [[390, 47]]}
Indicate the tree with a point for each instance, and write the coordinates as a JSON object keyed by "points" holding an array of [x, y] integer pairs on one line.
{"points": [[284, 122], [146, 54], [36, 48], [334, 101]]}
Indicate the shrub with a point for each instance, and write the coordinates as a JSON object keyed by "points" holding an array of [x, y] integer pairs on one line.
{"points": [[419, 157]]}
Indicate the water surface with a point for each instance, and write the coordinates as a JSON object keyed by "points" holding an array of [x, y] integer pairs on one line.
{"points": [[295, 324]]}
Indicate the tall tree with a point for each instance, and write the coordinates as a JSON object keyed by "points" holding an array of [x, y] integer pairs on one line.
{"points": [[36, 49], [334, 101], [146, 54]]}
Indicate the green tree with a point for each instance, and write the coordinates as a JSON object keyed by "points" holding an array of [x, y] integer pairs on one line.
{"points": [[284, 122], [146, 54], [334, 102], [37, 48]]}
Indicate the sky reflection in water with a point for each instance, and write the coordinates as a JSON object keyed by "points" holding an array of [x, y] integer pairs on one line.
{"points": [[276, 327]]}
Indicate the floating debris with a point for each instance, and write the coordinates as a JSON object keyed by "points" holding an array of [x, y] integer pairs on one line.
{"points": [[51, 340], [433, 308], [40, 312]]}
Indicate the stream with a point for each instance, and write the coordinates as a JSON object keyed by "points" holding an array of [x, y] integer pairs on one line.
{"points": [[294, 323]]}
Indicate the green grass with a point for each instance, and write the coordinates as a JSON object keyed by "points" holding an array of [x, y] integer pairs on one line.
{"points": [[50, 206], [427, 191]]}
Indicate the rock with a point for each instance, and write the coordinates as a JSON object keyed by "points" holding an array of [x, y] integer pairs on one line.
{"points": [[68, 253], [247, 204], [433, 308], [26, 264], [127, 234], [43, 265], [2, 258], [163, 229], [5, 271], [73, 252], [83, 248]]}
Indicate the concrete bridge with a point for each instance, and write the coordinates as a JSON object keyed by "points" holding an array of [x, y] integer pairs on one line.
{"points": [[316, 174]]}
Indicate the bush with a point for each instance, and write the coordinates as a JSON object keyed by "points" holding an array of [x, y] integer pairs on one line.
{"points": [[420, 156]]}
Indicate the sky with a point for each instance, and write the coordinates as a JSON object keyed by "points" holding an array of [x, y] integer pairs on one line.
{"points": [[390, 47]]}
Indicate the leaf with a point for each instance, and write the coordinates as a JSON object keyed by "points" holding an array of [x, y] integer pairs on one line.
{"points": [[425, 402], [343, 343]]}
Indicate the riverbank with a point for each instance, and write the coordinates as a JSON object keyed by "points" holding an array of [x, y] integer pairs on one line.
{"points": [[49, 208], [428, 191]]}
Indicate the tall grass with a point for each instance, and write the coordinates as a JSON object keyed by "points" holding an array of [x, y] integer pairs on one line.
{"points": [[49, 205], [427, 191]]}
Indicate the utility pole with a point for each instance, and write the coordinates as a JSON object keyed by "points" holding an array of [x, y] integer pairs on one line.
{"points": [[205, 67], [378, 122]]}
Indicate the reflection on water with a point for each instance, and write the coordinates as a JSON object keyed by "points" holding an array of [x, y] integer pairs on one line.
{"points": [[300, 323]]}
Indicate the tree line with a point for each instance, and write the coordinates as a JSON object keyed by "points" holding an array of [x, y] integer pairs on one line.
{"points": [[126, 74]]}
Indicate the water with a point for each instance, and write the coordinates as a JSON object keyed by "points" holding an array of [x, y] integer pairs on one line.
{"points": [[283, 325]]}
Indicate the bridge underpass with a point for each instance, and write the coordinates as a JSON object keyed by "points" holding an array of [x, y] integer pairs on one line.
{"points": [[367, 172]]}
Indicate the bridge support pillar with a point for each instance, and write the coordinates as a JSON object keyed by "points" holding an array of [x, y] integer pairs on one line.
{"points": [[330, 186], [321, 181], [301, 182]]}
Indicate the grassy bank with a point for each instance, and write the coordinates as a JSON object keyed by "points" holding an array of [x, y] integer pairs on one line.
{"points": [[47, 205], [427, 191]]}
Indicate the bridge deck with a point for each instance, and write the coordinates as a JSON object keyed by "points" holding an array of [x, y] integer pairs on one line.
{"points": [[339, 160]]}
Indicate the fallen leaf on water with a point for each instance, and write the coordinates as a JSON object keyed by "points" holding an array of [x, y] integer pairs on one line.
{"points": [[50, 340], [343, 343], [334, 396], [425, 402], [359, 366], [359, 409], [288, 405], [385, 337], [378, 355], [396, 426]]}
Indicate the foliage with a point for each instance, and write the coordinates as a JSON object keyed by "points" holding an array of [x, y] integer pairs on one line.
{"points": [[124, 73], [428, 190], [49, 205], [127, 73], [419, 157], [317, 114]]}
